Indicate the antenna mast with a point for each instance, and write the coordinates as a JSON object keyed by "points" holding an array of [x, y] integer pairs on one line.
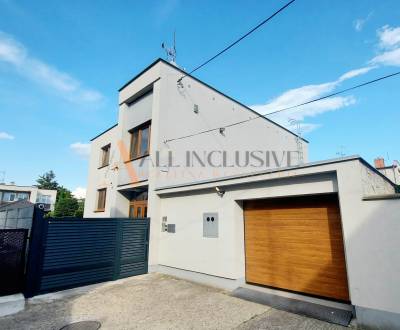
{"points": [[299, 143], [170, 51]]}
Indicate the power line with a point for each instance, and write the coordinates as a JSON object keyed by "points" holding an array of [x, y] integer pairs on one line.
{"points": [[238, 40], [288, 108]]}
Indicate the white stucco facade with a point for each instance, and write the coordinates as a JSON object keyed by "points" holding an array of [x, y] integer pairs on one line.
{"points": [[182, 192], [155, 96], [370, 228]]}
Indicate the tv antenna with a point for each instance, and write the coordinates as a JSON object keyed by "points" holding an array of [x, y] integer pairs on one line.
{"points": [[297, 124], [2, 177], [341, 152], [170, 51]]}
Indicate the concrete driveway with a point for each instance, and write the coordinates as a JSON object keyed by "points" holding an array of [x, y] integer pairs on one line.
{"points": [[153, 301]]}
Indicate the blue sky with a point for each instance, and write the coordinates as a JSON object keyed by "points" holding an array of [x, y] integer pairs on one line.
{"points": [[62, 62]]}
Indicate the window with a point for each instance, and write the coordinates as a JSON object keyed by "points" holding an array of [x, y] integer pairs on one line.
{"points": [[140, 141], [23, 196], [45, 199], [105, 155], [9, 196], [101, 199]]}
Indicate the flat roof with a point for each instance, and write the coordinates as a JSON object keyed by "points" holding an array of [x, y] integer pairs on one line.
{"points": [[209, 86], [281, 169]]}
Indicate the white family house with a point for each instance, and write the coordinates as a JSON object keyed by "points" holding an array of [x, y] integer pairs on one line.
{"points": [[240, 205]]}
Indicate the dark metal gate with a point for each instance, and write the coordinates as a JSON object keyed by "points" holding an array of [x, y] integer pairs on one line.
{"points": [[68, 252], [12, 260]]}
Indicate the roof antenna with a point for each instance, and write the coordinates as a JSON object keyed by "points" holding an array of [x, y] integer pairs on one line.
{"points": [[170, 51], [299, 145]]}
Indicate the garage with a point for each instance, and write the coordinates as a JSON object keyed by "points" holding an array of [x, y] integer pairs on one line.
{"points": [[296, 244]]}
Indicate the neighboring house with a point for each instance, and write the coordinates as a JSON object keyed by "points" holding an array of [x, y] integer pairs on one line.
{"points": [[392, 171], [17, 214], [10, 193], [325, 229]]}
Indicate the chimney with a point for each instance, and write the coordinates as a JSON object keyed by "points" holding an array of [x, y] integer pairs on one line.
{"points": [[379, 162]]}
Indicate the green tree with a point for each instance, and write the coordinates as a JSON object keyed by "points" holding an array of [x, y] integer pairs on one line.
{"points": [[66, 205], [47, 181], [80, 209]]}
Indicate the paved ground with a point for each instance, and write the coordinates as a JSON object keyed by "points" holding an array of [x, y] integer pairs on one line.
{"points": [[154, 301]]}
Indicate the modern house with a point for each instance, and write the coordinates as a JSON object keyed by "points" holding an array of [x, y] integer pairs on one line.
{"points": [[10, 193], [233, 201]]}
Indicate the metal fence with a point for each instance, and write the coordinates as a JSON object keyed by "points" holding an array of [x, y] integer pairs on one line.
{"points": [[12, 260], [67, 253]]}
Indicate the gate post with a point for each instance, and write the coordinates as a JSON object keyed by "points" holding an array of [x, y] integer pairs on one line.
{"points": [[35, 253]]}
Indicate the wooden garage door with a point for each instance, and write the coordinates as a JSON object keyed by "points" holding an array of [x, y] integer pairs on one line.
{"points": [[296, 244]]}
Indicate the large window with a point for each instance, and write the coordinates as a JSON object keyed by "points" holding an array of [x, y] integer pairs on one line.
{"points": [[105, 155], [101, 199], [140, 141]]}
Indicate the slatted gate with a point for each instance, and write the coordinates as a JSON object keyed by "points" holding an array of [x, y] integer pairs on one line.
{"points": [[67, 253], [12, 260]]}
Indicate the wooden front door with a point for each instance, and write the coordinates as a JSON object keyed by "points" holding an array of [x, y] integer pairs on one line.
{"points": [[296, 244], [138, 209]]}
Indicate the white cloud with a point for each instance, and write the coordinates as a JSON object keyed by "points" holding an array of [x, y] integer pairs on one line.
{"points": [[391, 57], [304, 94], [389, 43], [14, 53], [6, 136], [355, 73], [389, 37], [81, 149], [360, 22], [79, 192]]}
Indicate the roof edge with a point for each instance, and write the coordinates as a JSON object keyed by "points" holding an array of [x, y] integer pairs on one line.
{"points": [[108, 129], [212, 88], [275, 170]]}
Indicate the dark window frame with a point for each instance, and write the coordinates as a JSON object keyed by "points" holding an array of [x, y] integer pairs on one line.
{"points": [[135, 151]]}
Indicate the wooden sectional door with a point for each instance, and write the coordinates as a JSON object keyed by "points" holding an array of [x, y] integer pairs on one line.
{"points": [[296, 244]]}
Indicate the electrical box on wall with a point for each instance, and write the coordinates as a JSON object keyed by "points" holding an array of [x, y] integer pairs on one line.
{"points": [[167, 227], [164, 224], [210, 225], [171, 228]]}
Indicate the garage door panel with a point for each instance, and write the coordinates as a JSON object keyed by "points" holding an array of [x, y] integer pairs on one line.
{"points": [[296, 244]]}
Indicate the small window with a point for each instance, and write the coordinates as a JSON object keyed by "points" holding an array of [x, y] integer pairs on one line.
{"points": [[140, 141], [105, 155], [101, 199], [45, 199]]}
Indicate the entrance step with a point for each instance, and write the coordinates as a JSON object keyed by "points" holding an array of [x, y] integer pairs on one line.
{"points": [[11, 304], [317, 311]]}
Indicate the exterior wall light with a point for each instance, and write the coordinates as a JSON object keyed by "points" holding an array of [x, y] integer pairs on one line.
{"points": [[220, 192]]}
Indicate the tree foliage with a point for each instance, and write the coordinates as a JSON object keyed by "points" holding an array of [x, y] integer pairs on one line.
{"points": [[47, 181], [66, 204]]}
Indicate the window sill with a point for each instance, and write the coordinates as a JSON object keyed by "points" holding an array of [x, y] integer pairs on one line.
{"points": [[132, 159], [100, 210]]}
